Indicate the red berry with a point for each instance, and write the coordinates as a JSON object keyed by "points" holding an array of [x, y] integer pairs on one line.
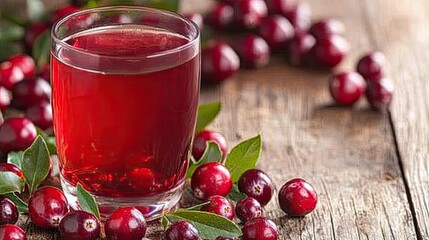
{"points": [[221, 206], [40, 115], [221, 16], [380, 93], [8, 211], [10, 75], [32, 32], [248, 208], [45, 73], [299, 17], [254, 51], [196, 18], [25, 63], [347, 87], [47, 207], [12, 232], [371, 66], [259, 229], [218, 62], [5, 98], [181, 230], [256, 184], [297, 197], [327, 27], [205, 136], [62, 12], [299, 47], [126, 223], [249, 13], [79, 225], [9, 167], [211, 179], [16, 134], [31, 92], [328, 52], [225, 238], [277, 31], [281, 6]]}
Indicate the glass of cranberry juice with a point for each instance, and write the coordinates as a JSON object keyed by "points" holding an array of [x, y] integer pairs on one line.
{"points": [[125, 86]]}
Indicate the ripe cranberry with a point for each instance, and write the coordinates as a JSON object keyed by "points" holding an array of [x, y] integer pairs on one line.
{"points": [[249, 14], [248, 208], [256, 184], [299, 47], [12, 232], [281, 6], [196, 18], [328, 52], [10, 75], [277, 31], [254, 51], [40, 115], [8, 211], [205, 136], [225, 238], [62, 12], [181, 230], [126, 223], [218, 62], [221, 16], [5, 98], [371, 66], [297, 197], [211, 179], [259, 229], [47, 207], [299, 17], [327, 27], [380, 93], [9, 167], [221, 206], [16, 134], [25, 63], [32, 32], [347, 87], [45, 73], [31, 92], [79, 225]]}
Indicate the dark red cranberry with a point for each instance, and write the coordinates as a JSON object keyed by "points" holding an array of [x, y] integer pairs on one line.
{"points": [[197, 18], [181, 230], [12, 232], [126, 223], [380, 93], [16, 134], [256, 184], [32, 32], [221, 16], [281, 6], [259, 229], [254, 51], [221, 206], [347, 87], [47, 207], [300, 17], [218, 62], [8, 211], [299, 47], [248, 14], [277, 31], [79, 225], [31, 92], [297, 197], [327, 27], [371, 66], [45, 73], [248, 208], [328, 52], [62, 12], [205, 136], [225, 238], [211, 179], [5, 98], [9, 167], [10, 75], [227, 1], [40, 115], [25, 63]]}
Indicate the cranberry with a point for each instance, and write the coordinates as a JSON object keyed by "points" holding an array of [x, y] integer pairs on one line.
{"points": [[31, 92], [8, 211], [40, 115], [327, 27], [259, 229], [371, 66], [25, 63], [5, 98], [248, 208], [299, 17], [79, 225], [224, 238], [277, 31], [221, 16], [219, 205], [47, 207], [299, 47], [281, 6], [12, 232], [16, 134], [380, 93], [62, 12], [256, 184], [126, 223], [254, 51], [297, 197], [328, 52], [249, 14], [196, 18], [205, 136], [211, 179], [9, 167], [32, 32], [181, 230], [45, 73], [218, 62], [10, 75], [347, 87]]}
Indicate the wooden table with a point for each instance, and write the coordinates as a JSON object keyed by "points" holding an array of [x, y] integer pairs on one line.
{"points": [[370, 169]]}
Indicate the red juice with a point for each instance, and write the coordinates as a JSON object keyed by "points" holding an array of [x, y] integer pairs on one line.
{"points": [[126, 132]]}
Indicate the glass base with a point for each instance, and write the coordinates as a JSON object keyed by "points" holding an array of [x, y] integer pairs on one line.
{"points": [[152, 207]]}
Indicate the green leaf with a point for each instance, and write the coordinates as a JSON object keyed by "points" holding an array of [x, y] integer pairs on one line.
{"points": [[10, 31], [209, 225], [87, 201], [243, 157], [91, 4], [15, 158], [235, 194], [50, 141], [22, 206], [41, 48], [35, 165], [206, 114], [171, 5], [198, 206], [13, 18], [211, 154], [10, 183], [8, 49], [36, 10], [165, 223]]}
